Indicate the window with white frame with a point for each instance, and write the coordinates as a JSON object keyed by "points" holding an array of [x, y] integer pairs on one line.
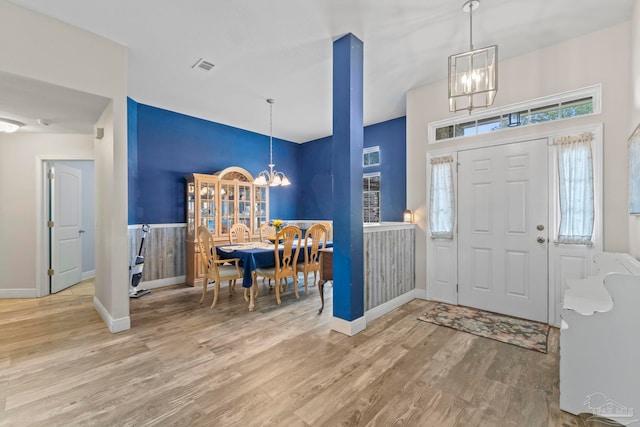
{"points": [[371, 156], [371, 197], [562, 106]]}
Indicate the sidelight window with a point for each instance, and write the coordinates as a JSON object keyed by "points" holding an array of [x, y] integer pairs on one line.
{"points": [[575, 173], [442, 206]]}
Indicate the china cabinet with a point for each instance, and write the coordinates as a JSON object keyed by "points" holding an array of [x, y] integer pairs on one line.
{"points": [[218, 201]]}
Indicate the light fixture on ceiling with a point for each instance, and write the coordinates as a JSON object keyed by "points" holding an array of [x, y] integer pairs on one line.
{"points": [[271, 176], [473, 75], [9, 126]]}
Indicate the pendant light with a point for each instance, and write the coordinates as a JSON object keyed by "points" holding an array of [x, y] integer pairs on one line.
{"points": [[271, 177], [473, 75]]}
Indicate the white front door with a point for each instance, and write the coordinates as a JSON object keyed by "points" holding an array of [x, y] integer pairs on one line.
{"points": [[503, 229], [66, 250]]}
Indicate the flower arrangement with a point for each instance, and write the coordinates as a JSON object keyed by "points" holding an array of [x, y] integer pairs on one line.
{"points": [[278, 224]]}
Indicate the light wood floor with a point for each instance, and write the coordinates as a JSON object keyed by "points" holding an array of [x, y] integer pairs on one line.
{"points": [[184, 364]]}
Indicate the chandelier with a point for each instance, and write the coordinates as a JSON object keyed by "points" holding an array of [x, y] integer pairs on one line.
{"points": [[473, 75], [271, 177]]}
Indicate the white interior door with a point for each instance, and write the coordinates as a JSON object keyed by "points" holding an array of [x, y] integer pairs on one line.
{"points": [[503, 229], [66, 248]]}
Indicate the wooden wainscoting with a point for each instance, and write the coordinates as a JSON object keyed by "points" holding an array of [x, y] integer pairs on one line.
{"points": [[164, 252], [389, 264]]}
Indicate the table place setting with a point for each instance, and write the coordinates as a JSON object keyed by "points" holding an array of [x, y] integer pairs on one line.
{"points": [[249, 245]]}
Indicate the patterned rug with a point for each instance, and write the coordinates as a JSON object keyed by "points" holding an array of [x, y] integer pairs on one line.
{"points": [[520, 332]]}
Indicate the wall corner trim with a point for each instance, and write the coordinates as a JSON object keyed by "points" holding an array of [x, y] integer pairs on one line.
{"points": [[349, 328], [114, 325]]}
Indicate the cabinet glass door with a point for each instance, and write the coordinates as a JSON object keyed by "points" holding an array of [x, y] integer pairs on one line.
{"points": [[208, 206], [244, 204], [191, 209], [259, 208], [227, 207]]}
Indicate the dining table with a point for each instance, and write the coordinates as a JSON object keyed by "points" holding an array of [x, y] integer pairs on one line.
{"points": [[254, 255]]}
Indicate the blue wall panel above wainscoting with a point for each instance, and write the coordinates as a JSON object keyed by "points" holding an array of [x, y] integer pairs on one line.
{"points": [[314, 158], [171, 145], [165, 146]]}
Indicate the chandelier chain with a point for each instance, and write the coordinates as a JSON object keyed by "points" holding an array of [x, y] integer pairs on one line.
{"points": [[270, 101], [470, 26]]}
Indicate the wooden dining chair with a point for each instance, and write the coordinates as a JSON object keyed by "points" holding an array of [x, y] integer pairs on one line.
{"points": [[285, 262], [266, 231], [314, 239], [239, 233], [329, 228], [216, 270]]}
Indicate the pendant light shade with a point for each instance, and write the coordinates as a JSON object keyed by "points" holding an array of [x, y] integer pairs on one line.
{"points": [[473, 75]]}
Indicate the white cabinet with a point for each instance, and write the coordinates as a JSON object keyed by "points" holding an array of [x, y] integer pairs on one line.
{"points": [[600, 341]]}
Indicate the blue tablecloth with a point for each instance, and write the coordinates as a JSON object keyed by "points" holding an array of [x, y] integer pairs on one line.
{"points": [[252, 258]]}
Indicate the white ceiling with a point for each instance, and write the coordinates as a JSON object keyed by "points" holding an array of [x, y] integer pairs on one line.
{"points": [[46, 108], [282, 49]]}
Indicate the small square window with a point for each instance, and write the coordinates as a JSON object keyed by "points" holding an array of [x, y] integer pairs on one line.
{"points": [[371, 156]]}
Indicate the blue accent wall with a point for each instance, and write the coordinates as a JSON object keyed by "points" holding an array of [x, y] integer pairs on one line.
{"points": [[165, 146], [315, 200], [132, 159], [172, 145]]}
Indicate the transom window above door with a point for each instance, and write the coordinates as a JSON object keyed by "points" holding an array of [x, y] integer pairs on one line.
{"points": [[551, 108]]}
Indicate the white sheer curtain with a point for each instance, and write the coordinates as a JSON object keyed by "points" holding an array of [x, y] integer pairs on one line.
{"points": [[442, 206], [575, 170]]}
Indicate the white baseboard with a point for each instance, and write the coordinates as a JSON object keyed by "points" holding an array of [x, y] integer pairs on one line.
{"points": [[347, 327], [88, 274], [168, 281], [388, 306], [420, 294], [114, 325], [18, 293]]}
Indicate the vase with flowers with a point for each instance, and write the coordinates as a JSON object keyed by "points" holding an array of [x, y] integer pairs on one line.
{"points": [[277, 224]]}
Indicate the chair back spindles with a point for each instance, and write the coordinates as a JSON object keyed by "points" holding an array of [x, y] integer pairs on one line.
{"points": [[213, 272], [315, 239], [286, 262], [266, 231], [239, 233], [329, 228]]}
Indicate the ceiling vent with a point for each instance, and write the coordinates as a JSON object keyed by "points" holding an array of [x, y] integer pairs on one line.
{"points": [[203, 65]]}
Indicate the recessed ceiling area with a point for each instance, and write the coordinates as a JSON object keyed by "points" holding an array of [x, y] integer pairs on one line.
{"points": [[282, 49], [47, 108]]}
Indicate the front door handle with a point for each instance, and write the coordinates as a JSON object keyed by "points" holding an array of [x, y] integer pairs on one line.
{"points": [[541, 239]]}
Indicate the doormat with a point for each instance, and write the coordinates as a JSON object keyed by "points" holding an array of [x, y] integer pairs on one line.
{"points": [[523, 333]]}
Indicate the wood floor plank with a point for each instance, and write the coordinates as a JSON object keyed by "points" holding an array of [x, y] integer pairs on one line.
{"points": [[185, 364]]}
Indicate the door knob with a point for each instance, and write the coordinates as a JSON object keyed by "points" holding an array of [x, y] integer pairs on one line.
{"points": [[541, 239], [540, 227], [80, 231]]}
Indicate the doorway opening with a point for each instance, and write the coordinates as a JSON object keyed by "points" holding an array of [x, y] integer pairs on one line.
{"points": [[68, 233]]}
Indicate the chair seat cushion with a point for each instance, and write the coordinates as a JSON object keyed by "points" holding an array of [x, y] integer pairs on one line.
{"points": [[300, 267], [227, 271], [266, 270]]}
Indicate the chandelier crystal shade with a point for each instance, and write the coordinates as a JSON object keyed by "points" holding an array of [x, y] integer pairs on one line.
{"points": [[271, 177], [473, 75]]}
